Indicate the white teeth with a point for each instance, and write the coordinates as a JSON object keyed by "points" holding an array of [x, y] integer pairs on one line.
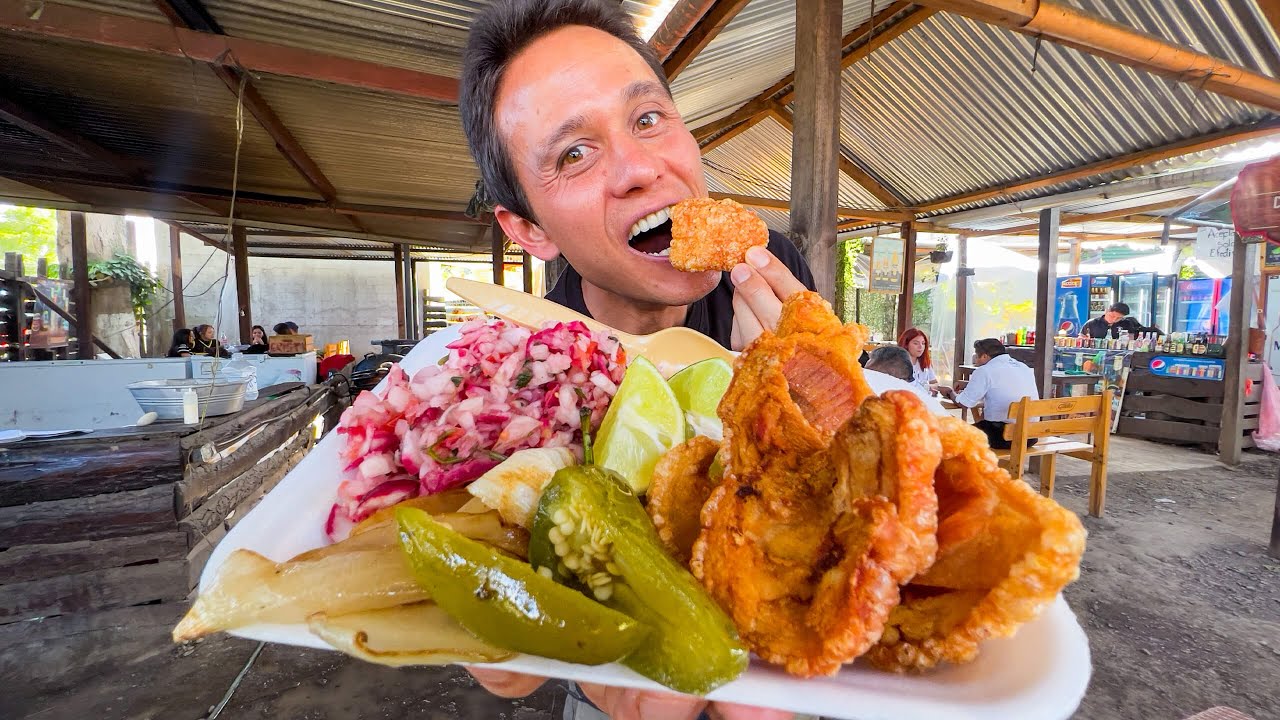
{"points": [[650, 221]]}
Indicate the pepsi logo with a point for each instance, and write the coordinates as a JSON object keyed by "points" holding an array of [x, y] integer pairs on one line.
{"points": [[1158, 364]]}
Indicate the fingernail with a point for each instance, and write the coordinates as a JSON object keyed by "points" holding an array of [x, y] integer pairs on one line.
{"points": [[758, 256], [740, 274]]}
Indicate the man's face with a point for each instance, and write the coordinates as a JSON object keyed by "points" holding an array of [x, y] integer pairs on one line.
{"points": [[598, 146], [1112, 317]]}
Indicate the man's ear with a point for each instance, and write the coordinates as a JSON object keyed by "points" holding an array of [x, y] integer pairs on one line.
{"points": [[526, 234]]}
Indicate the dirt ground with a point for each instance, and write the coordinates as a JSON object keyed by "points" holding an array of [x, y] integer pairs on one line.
{"points": [[1177, 594]]}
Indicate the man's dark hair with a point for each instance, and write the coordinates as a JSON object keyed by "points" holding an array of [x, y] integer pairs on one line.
{"points": [[1121, 308], [891, 360], [990, 347], [497, 36], [281, 328]]}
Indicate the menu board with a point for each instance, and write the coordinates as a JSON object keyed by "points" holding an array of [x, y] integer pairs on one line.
{"points": [[886, 266]]}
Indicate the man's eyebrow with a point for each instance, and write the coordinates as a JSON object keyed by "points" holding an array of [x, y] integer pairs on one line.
{"points": [[566, 129], [641, 89]]}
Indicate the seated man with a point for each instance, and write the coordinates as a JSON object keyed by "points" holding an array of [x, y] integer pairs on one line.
{"points": [[998, 381], [1111, 322], [890, 360]]}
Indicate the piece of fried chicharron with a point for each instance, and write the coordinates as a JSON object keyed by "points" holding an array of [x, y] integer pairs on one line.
{"points": [[711, 234], [805, 546], [1004, 554], [680, 487]]}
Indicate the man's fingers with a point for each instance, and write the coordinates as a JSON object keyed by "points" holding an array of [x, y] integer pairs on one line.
{"points": [[506, 684], [777, 275], [746, 326], [730, 711], [630, 704], [750, 287]]}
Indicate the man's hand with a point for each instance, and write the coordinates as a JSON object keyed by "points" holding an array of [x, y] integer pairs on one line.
{"points": [[627, 703], [760, 285], [946, 392]]}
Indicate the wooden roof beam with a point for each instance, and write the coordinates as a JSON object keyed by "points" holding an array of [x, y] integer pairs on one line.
{"points": [[49, 131], [1133, 214], [779, 113], [192, 15], [785, 205], [762, 101], [158, 38], [1121, 162], [181, 227], [1065, 25], [712, 22]]}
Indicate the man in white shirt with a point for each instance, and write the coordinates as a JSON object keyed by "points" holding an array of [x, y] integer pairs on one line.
{"points": [[998, 382]]}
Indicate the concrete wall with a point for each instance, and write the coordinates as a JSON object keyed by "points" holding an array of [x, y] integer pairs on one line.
{"points": [[332, 300]]}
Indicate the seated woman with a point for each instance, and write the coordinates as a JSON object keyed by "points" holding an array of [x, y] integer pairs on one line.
{"points": [[916, 343], [182, 342], [206, 344], [257, 341]]}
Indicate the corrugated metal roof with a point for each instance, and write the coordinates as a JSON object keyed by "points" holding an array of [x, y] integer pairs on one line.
{"points": [[758, 162], [976, 117], [376, 148], [141, 9], [174, 115], [756, 49]]}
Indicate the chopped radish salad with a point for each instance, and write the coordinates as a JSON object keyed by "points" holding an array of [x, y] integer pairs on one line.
{"points": [[502, 388]]}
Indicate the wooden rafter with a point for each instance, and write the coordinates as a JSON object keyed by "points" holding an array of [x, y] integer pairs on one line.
{"points": [[702, 34], [192, 15], [775, 204], [847, 166], [731, 134], [160, 38], [1122, 162], [42, 127], [1133, 214], [1271, 10], [763, 101]]}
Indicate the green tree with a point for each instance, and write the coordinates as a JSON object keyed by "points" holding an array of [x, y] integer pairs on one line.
{"points": [[32, 232]]}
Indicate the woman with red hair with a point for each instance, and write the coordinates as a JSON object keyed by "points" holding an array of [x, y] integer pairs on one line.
{"points": [[916, 343]]}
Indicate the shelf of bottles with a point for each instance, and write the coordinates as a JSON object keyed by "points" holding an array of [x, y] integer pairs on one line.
{"points": [[16, 309]]}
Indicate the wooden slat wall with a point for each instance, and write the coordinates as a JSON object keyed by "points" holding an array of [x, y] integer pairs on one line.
{"points": [[1182, 410], [116, 522]]}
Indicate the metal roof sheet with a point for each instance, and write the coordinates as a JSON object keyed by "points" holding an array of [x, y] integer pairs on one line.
{"points": [[976, 116], [756, 49], [758, 162]]}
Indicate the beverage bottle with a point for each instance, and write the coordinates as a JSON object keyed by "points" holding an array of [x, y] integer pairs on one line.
{"points": [[190, 406]]}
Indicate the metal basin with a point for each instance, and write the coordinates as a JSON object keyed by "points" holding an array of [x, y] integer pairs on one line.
{"points": [[164, 397]]}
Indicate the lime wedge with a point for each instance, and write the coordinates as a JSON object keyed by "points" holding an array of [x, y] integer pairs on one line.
{"points": [[698, 389], [644, 421]]}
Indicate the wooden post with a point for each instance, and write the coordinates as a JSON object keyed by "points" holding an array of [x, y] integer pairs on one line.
{"points": [[499, 255], [240, 252], [175, 278], [1242, 268], [414, 324], [526, 271], [397, 260], [908, 276], [961, 352], [83, 293], [815, 141], [1074, 268], [1046, 290]]}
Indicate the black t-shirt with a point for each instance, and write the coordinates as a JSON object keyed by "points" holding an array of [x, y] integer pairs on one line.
{"points": [[1100, 328], [713, 314]]}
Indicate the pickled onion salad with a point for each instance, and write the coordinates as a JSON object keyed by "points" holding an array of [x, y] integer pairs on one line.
{"points": [[502, 388]]}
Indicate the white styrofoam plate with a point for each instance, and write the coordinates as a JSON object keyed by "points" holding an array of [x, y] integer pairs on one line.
{"points": [[1039, 674]]}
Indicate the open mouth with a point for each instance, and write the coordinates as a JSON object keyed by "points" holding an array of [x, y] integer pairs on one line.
{"points": [[651, 234]]}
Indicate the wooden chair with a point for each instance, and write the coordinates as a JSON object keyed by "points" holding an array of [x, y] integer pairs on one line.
{"points": [[1061, 416]]}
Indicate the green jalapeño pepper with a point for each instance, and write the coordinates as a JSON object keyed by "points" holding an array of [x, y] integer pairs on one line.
{"points": [[503, 601], [591, 532]]}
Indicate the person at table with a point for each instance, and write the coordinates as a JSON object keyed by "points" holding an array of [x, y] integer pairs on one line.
{"points": [[571, 122], [916, 343], [257, 341], [283, 328], [892, 361], [997, 382], [206, 344], [1110, 323], [183, 339]]}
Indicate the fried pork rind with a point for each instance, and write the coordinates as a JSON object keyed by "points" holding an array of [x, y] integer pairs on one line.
{"points": [[681, 484], [711, 234], [1004, 554], [806, 559]]}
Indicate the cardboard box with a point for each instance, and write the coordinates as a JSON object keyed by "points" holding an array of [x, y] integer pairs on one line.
{"points": [[289, 344]]}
